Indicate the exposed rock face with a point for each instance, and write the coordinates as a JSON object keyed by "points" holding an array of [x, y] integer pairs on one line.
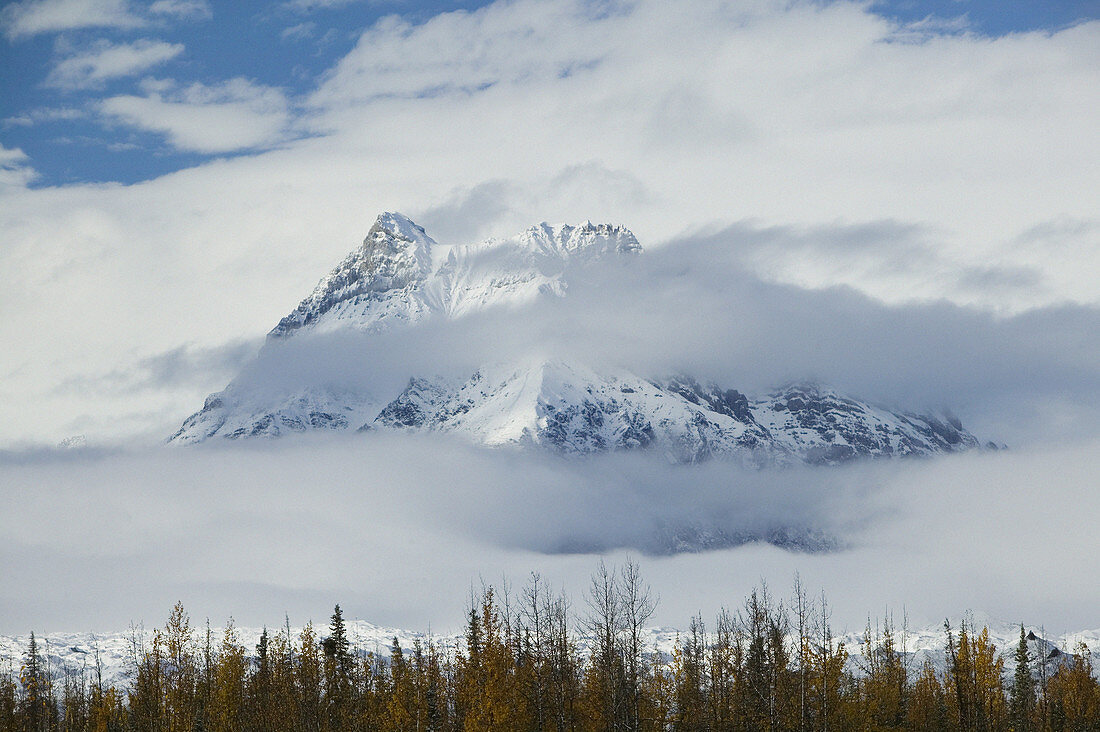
{"points": [[575, 409], [390, 281], [824, 427], [377, 281]]}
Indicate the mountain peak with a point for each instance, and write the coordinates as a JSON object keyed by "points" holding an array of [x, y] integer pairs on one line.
{"points": [[396, 254], [398, 226], [396, 249], [586, 241]]}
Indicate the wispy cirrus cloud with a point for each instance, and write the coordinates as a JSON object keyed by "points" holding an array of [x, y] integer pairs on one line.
{"points": [[105, 61], [309, 6], [31, 17], [183, 9]]}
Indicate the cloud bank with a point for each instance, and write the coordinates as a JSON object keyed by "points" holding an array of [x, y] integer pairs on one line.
{"points": [[692, 308], [398, 529]]}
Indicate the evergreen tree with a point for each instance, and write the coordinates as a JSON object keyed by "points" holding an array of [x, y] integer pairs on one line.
{"points": [[229, 683], [310, 680], [258, 691], [689, 679], [36, 705], [338, 673], [180, 672], [927, 703], [147, 694], [8, 700], [884, 684], [1023, 689]]}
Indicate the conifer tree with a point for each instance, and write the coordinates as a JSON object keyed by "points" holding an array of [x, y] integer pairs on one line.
{"points": [[491, 695], [338, 672], [7, 700], [229, 683], [689, 674], [284, 711], [1023, 689], [75, 700], [310, 680], [767, 691], [604, 680], [829, 684], [927, 704], [148, 692], [36, 705], [722, 661], [638, 604], [258, 689], [884, 683], [401, 708], [180, 673]]}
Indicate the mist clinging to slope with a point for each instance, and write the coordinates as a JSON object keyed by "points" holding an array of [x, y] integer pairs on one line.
{"points": [[691, 308]]}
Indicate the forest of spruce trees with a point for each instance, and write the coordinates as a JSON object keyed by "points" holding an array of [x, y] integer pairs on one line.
{"points": [[534, 663]]}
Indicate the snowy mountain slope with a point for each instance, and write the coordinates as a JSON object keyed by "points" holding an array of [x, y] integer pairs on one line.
{"points": [[519, 269], [576, 409], [825, 427], [929, 643], [240, 412], [389, 279], [389, 282], [113, 653], [74, 652]]}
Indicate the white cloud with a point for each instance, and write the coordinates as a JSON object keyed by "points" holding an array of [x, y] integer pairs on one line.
{"points": [[397, 528], [45, 114], [235, 115], [31, 17], [299, 32], [185, 9], [523, 42], [15, 169], [107, 60], [309, 6]]}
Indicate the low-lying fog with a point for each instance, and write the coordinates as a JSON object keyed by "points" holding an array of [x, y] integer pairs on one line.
{"points": [[397, 528]]}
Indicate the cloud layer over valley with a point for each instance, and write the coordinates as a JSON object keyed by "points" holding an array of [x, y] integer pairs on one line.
{"points": [[397, 529]]}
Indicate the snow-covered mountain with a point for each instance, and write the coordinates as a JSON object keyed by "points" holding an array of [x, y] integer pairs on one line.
{"points": [[580, 410], [393, 281], [113, 654], [389, 279]]}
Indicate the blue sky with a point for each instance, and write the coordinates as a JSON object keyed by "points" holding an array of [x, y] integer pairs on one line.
{"points": [[72, 72], [282, 46]]}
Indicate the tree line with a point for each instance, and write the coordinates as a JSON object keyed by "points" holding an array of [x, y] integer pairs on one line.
{"points": [[530, 663]]}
